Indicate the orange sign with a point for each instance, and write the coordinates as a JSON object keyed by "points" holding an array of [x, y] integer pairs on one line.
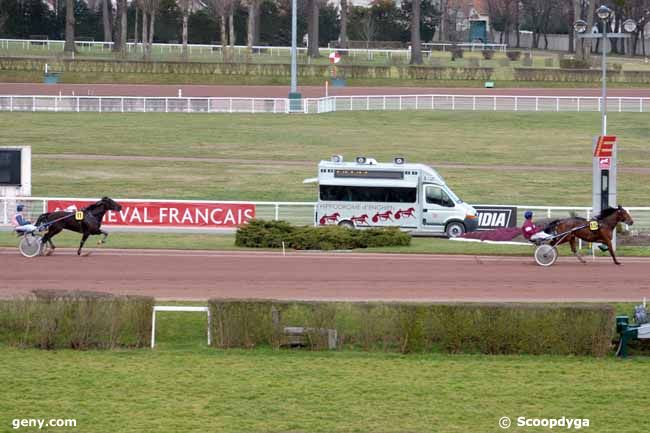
{"points": [[605, 146]]}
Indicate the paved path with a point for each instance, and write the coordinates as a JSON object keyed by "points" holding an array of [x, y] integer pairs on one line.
{"points": [[283, 91]]}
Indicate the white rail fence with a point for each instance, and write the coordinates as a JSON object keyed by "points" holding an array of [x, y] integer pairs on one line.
{"points": [[301, 213], [133, 104]]}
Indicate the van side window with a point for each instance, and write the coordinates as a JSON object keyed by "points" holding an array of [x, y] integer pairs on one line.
{"points": [[368, 194], [435, 195]]}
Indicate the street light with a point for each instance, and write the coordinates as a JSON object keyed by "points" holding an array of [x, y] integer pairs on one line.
{"points": [[604, 179]]}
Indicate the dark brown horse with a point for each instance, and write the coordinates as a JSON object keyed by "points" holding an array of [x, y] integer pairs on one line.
{"points": [[599, 229], [90, 224]]}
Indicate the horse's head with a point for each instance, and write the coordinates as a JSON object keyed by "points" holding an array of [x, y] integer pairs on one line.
{"points": [[110, 204], [622, 215]]}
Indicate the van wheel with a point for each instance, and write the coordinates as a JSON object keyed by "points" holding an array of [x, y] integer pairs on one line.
{"points": [[454, 229], [346, 225]]}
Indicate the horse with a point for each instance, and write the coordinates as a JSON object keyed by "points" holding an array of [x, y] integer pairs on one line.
{"points": [[90, 224], [577, 227]]}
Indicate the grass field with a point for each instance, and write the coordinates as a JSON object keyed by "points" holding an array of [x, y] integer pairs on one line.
{"points": [[184, 386], [558, 142]]}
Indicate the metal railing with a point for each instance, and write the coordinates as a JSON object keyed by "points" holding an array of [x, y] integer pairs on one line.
{"points": [[134, 104], [301, 213], [472, 46]]}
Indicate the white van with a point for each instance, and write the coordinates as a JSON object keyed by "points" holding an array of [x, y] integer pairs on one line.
{"points": [[365, 193]]}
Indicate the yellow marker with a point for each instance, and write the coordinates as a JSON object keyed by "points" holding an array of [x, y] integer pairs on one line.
{"points": [[79, 215], [593, 225]]}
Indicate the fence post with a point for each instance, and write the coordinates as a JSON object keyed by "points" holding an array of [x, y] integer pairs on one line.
{"points": [[100, 104], [56, 104], [516, 103], [209, 106], [367, 103], [122, 103], [77, 104], [33, 103], [144, 105], [536, 103], [473, 103], [640, 105], [384, 103], [230, 105], [5, 219], [557, 105], [620, 105], [432, 98], [11, 103], [453, 102], [400, 103], [277, 211], [416, 102], [166, 105], [578, 104], [494, 102]]}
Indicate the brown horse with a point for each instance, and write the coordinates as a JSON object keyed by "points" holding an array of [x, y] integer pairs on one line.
{"points": [[568, 229]]}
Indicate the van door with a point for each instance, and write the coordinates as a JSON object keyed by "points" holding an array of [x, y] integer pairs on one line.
{"points": [[437, 208]]}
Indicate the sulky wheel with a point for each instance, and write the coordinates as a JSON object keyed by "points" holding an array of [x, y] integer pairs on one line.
{"points": [[30, 245], [545, 255]]}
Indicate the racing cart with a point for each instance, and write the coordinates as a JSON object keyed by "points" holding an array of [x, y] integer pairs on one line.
{"points": [[31, 242], [546, 251]]}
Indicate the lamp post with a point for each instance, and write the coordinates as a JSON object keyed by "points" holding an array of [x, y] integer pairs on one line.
{"points": [[294, 97], [604, 177]]}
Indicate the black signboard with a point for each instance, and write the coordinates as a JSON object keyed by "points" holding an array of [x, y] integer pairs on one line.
{"points": [[10, 167], [369, 174], [496, 217]]}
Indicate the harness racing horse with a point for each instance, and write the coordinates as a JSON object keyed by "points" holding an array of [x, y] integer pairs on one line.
{"points": [[90, 224], [576, 227]]}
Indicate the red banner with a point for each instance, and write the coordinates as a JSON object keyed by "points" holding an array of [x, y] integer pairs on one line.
{"points": [[605, 146], [168, 214]]}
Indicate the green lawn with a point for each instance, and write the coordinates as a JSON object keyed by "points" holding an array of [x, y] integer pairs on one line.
{"points": [[485, 139], [183, 385]]}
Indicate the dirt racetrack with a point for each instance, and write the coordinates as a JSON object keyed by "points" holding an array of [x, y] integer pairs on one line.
{"points": [[350, 276]]}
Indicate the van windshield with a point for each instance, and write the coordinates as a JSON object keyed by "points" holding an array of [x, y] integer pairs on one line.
{"points": [[453, 196]]}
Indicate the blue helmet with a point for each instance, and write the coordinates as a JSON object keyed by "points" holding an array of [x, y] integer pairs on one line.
{"points": [[528, 214], [20, 208]]}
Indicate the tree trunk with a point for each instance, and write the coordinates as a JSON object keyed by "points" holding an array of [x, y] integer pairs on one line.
{"points": [[107, 18], [186, 17], [137, 18], [124, 27], [343, 35], [152, 21], [224, 38], [117, 27], [416, 43], [517, 26], [145, 34], [252, 18], [444, 18], [585, 53], [258, 22], [69, 27], [231, 27], [313, 33]]}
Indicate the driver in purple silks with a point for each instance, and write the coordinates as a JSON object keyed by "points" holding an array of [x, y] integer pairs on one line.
{"points": [[531, 231]]}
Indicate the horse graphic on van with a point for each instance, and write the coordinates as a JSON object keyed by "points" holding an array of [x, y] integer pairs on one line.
{"points": [[410, 212], [325, 219], [384, 216]]}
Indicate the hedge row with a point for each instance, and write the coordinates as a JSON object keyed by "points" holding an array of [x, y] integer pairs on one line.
{"points": [[580, 75], [271, 234], [77, 320], [254, 69], [408, 327]]}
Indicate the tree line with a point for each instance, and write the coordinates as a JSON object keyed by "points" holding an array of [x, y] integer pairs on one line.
{"points": [[268, 22]]}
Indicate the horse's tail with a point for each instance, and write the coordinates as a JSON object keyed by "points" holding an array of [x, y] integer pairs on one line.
{"points": [[551, 226], [42, 219]]}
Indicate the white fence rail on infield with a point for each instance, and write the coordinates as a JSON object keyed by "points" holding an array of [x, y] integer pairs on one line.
{"points": [[133, 104], [300, 213]]}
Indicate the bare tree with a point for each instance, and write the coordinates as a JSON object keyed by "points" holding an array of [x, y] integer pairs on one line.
{"points": [[186, 9], [119, 39], [69, 27], [313, 13], [221, 9], [539, 13], [148, 8], [343, 34], [253, 23], [107, 18], [586, 12], [416, 43], [368, 27]]}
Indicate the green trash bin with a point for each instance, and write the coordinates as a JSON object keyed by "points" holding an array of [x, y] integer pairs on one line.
{"points": [[51, 78], [295, 102]]}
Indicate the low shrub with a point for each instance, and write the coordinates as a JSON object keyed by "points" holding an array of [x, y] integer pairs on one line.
{"points": [[574, 64], [271, 234], [418, 327], [77, 320], [488, 54], [456, 53], [513, 55]]}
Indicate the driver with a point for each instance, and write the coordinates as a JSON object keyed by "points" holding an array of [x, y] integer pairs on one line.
{"points": [[531, 231], [20, 223]]}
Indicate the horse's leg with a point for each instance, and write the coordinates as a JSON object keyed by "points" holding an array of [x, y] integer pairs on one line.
{"points": [[103, 239], [574, 249], [47, 238], [83, 241], [608, 242]]}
